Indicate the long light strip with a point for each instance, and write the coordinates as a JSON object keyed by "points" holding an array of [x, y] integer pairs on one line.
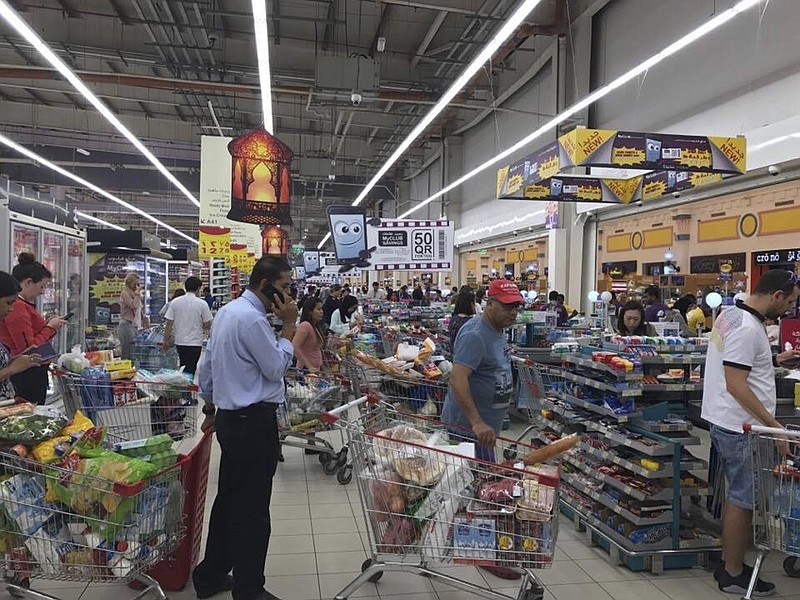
{"points": [[88, 217], [262, 52], [10, 15], [506, 31], [80, 180], [651, 62]]}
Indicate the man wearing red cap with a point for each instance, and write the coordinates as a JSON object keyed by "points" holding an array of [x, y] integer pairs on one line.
{"points": [[481, 384]]}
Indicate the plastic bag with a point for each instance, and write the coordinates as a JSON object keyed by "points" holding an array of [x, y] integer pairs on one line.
{"points": [[74, 360]]}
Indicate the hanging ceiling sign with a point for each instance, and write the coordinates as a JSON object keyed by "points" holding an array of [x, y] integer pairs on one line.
{"points": [[410, 245], [556, 172]]}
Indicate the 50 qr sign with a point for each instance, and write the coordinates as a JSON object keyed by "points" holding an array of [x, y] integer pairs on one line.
{"points": [[411, 245], [422, 246]]}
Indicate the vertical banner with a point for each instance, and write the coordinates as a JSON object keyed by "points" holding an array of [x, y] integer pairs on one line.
{"points": [[725, 270], [238, 256], [215, 193]]}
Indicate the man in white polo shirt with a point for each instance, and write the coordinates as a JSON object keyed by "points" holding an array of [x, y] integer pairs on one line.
{"points": [[739, 387], [189, 318]]}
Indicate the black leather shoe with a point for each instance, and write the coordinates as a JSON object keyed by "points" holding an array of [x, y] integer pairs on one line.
{"points": [[223, 585]]}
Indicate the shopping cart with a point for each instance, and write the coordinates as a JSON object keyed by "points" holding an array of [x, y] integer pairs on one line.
{"points": [[776, 514], [428, 501], [147, 352], [62, 524], [131, 409], [307, 397], [539, 385]]}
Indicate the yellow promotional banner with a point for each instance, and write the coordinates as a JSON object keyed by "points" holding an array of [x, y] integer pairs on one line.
{"points": [[238, 256], [215, 242], [580, 144]]}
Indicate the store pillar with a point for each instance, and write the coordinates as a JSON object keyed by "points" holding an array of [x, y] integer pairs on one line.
{"points": [[557, 260]]}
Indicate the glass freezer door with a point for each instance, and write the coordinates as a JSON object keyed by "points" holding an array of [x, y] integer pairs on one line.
{"points": [[24, 238], [76, 292], [52, 299]]}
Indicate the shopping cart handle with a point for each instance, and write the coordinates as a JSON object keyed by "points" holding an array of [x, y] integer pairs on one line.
{"points": [[333, 415], [748, 428]]}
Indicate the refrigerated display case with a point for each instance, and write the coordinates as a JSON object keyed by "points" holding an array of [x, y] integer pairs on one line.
{"points": [[155, 288], [63, 251]]}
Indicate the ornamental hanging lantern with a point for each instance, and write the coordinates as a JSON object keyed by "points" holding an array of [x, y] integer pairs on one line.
{"points": [[274, 241], [261, 182]]}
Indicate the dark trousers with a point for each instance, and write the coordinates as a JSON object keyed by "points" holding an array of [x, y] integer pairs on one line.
{"points": [[32, 384], [189, 355], [239, 530]]}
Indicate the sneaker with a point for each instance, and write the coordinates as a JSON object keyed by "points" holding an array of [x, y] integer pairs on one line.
{"points": [[738, 585]]}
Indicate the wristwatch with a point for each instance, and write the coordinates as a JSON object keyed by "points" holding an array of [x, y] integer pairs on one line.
{"points": [[209, 410]]}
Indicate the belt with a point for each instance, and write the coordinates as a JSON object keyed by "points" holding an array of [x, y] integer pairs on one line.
{"points": [[253, 407]]}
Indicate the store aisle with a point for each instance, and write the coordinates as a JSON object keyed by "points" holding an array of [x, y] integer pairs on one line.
{"points": [[318, 546]]}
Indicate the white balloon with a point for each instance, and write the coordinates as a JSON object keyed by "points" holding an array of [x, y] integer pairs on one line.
{"points": [[713, 299], [533, 294], [593, 296], [605, 296]]}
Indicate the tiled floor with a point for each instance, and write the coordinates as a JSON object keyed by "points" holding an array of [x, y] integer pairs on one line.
{"points": [[318, 546]]}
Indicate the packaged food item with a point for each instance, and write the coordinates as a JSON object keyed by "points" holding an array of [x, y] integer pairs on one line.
{"points": [[23, 499], [15, 410], [144, 447], [51, 450], [30, 429], [118, 365], [387, 496]]}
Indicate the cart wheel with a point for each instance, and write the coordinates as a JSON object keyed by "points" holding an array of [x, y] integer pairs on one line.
{"points": [[366, 565], [345, 474], [23, 583], [510, 453], [331, 466], [341, 458], [325, 457], [534, 593], [792, 566]]}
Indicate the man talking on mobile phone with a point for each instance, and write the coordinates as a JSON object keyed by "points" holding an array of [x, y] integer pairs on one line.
{"points": [[241, 381]]}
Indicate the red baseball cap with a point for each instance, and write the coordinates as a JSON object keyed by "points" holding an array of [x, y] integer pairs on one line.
{"points": [[505, 291]]}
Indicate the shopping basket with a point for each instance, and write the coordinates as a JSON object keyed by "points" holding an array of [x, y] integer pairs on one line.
{"points": [[147, 352], [427, 500], [131, 409], [776, 514], [65, 525], [307, 397]]}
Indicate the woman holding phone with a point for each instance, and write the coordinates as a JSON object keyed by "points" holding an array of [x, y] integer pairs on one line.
{"points": [[9, 288], [25, 329], [131, 314]]}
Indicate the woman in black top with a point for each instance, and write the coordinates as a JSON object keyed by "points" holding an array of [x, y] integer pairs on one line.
{"points": [[463, 311], [631, 321]]}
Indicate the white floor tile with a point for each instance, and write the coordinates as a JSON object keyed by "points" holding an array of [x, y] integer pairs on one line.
{"points": [[634, 590], [343, 525], [465, 573], [292, 587], [291, 564], [688, 588], [578, 550], [398, 584], [283, 512], [334, 511], [563, 572], [291, 544], [291, 527], [579, 591], [340, 562], [289, 498], [339, 542], [602, 570]]}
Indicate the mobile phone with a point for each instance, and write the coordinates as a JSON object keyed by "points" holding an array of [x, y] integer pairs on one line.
{"points": [[349, 231], [68, 316], [270, 291]]}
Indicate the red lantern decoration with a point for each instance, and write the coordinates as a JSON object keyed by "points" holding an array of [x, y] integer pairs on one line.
{"points": [[274, 241], [261, 180]]}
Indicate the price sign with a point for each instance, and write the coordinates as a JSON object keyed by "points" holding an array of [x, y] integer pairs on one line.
{"points": [[215, 242]]}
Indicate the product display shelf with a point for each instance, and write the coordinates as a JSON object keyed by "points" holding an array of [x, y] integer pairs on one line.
{"points": [[611, 504], [602, 385], [596, 408], [577, 359]]}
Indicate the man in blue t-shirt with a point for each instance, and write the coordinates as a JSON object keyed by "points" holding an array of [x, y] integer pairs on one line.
{"points": [[481, 384]]}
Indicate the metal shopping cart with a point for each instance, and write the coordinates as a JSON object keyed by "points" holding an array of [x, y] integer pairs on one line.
{"points": [[776, 515], [147, 353], [62, 524], [131, 409], [539, 385], [307, 397], [428, 501]]}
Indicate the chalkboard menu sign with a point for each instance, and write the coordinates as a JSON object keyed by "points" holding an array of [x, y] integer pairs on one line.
{"points": [[710, 264], [776, 257], [623, 266]]}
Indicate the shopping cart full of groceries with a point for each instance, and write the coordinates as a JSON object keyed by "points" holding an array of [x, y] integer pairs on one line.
{"points": [[776, 514], [431, 496], [82, 502]]}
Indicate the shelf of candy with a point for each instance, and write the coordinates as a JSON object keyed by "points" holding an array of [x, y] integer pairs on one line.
{"points": [[655, 345]]}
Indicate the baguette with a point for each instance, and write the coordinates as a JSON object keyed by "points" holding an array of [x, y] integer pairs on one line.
{"points": [[541, 455], [14, 410]]}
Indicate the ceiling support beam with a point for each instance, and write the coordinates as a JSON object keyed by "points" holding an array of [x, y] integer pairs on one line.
{"points": [[276, 22], [327, 36], [386, 11], [120, 13], [439, 7], [69, 10], [429, 35]]}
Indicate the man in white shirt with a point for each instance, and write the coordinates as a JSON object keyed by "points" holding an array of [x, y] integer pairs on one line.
{"points": [[377, 293], [739, 387], [190, 319]]}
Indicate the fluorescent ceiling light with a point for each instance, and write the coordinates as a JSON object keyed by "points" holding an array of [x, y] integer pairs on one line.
{"points": [[43, 162], [83, 151], [773, 141], [83, 215], [502, 35], [642, 67], [262, 51], [10, 15]]}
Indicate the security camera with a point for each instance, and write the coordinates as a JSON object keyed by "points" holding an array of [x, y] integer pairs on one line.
{"points": [[676, 194], [774, 170], [356, 98], [515, 233], [639, 203]]}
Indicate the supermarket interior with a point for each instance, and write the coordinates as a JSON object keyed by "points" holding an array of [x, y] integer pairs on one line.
{"points": [[426, 299]]}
